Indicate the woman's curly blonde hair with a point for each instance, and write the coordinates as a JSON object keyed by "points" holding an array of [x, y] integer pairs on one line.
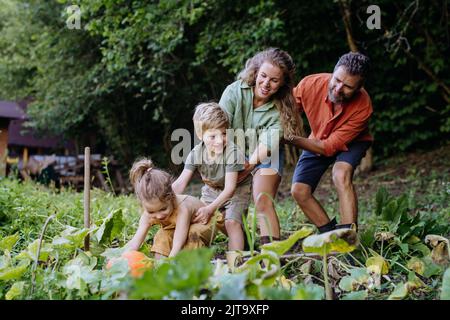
{"points": [[284, 100]]}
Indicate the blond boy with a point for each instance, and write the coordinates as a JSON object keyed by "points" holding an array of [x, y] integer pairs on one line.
{"points": [[218, 161]]}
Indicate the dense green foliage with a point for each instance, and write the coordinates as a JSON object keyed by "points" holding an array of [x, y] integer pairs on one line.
{"points": [[397, 258], [136, 69]]}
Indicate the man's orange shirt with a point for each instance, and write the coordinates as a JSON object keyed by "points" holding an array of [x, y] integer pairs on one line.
{"points": [[349, 123]]}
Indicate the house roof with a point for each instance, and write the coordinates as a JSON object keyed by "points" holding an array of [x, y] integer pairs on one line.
{"points": [[11, 110], [19, 135]]}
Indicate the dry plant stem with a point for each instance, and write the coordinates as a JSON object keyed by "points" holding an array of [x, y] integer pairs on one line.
{"points": [[328, 292], [33, 274]]}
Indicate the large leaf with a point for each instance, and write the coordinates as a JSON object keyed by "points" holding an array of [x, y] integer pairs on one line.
{"points": [[400, 292], [15, 272], [232, 287], [71, 238], [445, 290], [417, 265], [111, 226], [402, 289], [340, 240], [265, 276], [281, 247], [80, 274], [32, 250], [358, 277], [15, 291], [309, 292], [7, 243], [356, 295], [377, 264], [179, 277]]}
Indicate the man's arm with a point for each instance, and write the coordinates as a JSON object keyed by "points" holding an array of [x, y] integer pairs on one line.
{"points": [[312, 145]]}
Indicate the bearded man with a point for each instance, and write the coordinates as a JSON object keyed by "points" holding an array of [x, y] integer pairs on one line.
{"points": [[338, 109]]}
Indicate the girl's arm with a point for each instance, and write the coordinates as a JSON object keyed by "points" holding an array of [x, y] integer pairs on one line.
{"points": [[181, 230], [180, 184], [139, 237], [204, 213]]}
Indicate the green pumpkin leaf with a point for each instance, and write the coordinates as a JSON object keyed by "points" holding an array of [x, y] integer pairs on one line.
{"points": [[178, 277], [110, 227], [71, 238], [232, 287], [15, 291], [281, 247], [340, 240], [30, 253], [377, 264], [7, 243], [417, 265], [356, 295], [309, 292], [358, 277], [16, 272], [445, 290], [400, 292]]}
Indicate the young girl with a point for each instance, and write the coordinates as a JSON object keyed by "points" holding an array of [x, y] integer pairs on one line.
{"points": [[173, 212]]}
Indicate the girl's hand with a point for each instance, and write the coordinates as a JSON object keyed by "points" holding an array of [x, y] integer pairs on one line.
{"points": [[203, 215]]}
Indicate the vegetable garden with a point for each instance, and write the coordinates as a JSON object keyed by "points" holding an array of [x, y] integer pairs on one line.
{"points": [[402, 251]]}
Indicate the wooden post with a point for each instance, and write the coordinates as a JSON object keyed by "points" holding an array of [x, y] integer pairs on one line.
{"points": [[87, 194]]}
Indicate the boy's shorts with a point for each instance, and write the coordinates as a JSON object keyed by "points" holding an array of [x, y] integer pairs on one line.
{"points": [[236, 206], [310, 167], [199, 235]]}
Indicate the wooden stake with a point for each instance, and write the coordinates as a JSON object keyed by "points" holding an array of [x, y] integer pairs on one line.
{"points": [[87, 193]]}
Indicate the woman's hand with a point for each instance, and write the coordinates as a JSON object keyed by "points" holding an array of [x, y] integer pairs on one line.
{"points": [[203, 215]]}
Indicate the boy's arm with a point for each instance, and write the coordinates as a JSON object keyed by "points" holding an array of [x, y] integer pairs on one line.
{"points": [[204, 213], [181, 230], [139, 237], [260, 154], [182, 181]]}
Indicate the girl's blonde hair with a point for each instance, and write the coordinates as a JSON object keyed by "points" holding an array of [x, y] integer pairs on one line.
{"points": [[149, 182], [284, 100]]}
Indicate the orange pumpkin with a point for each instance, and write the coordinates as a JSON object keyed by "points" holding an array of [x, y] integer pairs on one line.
{"points": [[137, 262]]}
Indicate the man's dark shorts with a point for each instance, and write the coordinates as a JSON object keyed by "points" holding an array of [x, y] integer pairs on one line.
{"points": [[310, 167]]}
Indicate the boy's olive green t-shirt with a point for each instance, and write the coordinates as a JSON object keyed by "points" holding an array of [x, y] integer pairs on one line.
{"points": [[237, 101], [213, 171]]}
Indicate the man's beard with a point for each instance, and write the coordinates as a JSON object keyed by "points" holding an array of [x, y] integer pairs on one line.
{"points": [[340, 98]]}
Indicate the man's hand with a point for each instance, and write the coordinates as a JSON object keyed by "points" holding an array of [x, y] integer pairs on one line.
{"points": [[203, 215], [248, 168]]}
